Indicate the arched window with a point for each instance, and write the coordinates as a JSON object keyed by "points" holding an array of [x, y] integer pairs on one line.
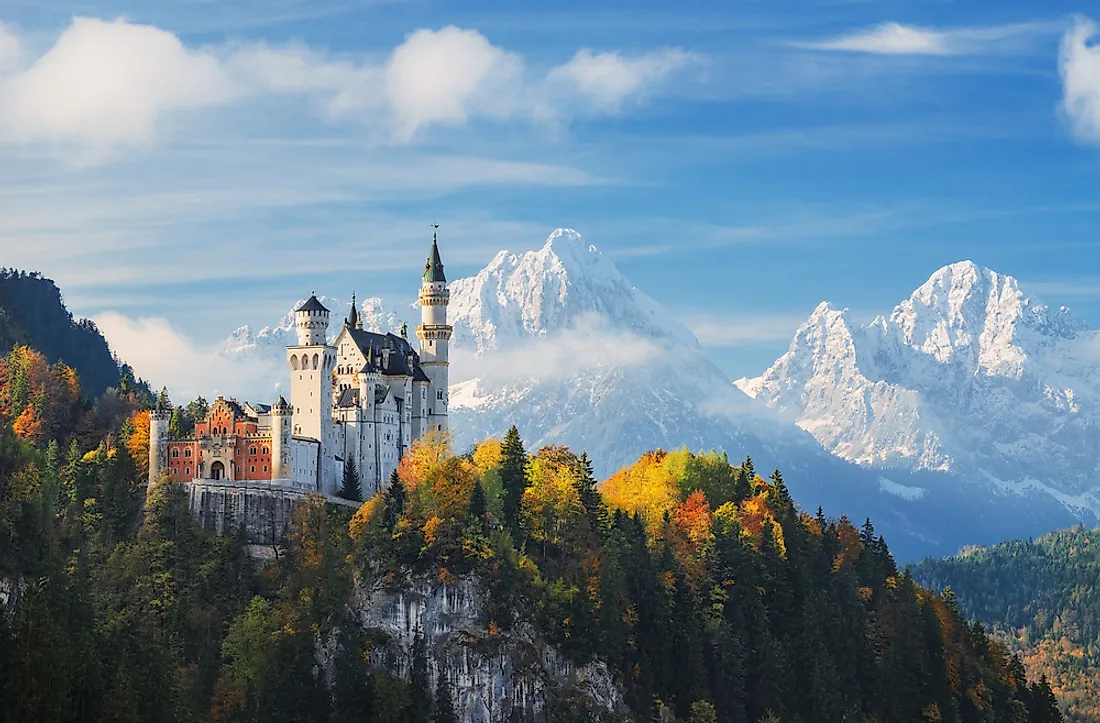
{"points": [[266, 450], [252, 468], [175, 453], [294, 362], [316, 360], [252, 450], [186, 453]]}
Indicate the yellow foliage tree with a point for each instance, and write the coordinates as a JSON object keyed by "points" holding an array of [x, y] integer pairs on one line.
{"points": [[487, 455], [137, 443], [551, 503], [425, 452], [645, 488]]}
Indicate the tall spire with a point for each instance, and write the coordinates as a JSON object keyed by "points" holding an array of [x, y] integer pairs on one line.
{"points": [[433, 270], [353, 321]]}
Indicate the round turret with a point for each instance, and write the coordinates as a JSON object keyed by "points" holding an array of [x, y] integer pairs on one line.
{"points": [[311, 322], [158, 442]]}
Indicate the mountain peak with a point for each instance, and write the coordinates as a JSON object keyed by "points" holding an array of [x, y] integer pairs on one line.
{"points": [[536, 293]]}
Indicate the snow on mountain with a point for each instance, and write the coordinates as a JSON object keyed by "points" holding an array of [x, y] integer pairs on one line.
{"points": [[558, 342], [565, 283], [969, 375]]}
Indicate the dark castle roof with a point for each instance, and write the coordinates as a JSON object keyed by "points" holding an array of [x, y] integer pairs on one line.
{"points": [[371, 345], [312, 304]]}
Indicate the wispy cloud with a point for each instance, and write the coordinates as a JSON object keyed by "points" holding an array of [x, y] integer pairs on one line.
{"points": [[1079, 63], [735, 330], [897, 39], [1081, 288]]}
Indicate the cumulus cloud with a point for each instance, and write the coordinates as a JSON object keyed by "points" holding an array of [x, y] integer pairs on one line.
{"points": [[107, 83], [442, 76], [165, 357], [607, 79], [1079, 63], [898, 39]]}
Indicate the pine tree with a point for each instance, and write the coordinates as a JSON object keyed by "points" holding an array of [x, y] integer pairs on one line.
{"points": [[394, 500], [420, 706], [594, 507], [513, 478], [350, 488], [444, 710], [163, 402], [479, 506]]}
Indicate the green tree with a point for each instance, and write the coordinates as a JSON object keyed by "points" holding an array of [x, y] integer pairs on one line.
{"points": [[513, 478], [394, 501], [349, 486], [443, 711], [420, 703]]}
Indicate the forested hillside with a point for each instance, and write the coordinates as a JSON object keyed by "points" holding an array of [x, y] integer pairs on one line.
{"points": [[1041, 598], [32, 313], [707, 593]]}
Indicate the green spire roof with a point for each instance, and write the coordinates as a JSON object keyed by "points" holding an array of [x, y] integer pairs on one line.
{"points": [[433, 270]]}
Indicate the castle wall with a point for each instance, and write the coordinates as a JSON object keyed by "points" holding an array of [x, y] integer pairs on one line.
{"points": [[264, 509]]}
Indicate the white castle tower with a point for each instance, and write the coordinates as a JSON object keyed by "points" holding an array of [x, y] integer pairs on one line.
{"points": [[311, 363], [435, 336]]}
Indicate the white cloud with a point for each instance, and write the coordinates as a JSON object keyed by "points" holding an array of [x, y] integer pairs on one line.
{"points": [[607, 79], [165, 357], [105, 84], [723, 331], [1079, 63], [10, 50], [897, 39], [445, 76], [589, 343]]}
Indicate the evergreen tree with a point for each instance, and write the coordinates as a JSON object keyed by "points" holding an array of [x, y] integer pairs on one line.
{"points": [[350, 488], [394, 500], [594, 507], [479, 506], [420, 704], [513, 478], [443, 711], [163, 402]]}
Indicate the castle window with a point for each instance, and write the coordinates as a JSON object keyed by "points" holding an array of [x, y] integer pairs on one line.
{"points": [[252, 450], [252, 468], [265, 468], [265, 450], [186, 453], [175, 453], [439, 394]]}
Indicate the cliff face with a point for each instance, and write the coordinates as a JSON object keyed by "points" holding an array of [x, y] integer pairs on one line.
{"points": [[491, 673]]}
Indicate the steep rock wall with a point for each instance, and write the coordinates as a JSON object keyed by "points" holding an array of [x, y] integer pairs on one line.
{"points": [[263, 509], [491, 674]]}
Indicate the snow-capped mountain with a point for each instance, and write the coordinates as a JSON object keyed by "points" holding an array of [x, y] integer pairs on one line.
{"points": [[271, 341], [969, 375]]}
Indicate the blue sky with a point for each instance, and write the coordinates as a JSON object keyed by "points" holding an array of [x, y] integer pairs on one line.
{"points": [[203, 164]]}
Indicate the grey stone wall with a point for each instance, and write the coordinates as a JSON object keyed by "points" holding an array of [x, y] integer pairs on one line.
{"points": [[264, 509]]}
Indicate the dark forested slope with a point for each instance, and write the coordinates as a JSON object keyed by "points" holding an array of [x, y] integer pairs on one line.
{"points": [[33, 313], [1041, 598]]}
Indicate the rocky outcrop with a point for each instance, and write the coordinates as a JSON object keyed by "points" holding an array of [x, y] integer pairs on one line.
{"points": [[492, 673]]}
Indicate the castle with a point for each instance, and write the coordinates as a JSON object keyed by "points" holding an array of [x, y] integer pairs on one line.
{"points": [[363, 398]]}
